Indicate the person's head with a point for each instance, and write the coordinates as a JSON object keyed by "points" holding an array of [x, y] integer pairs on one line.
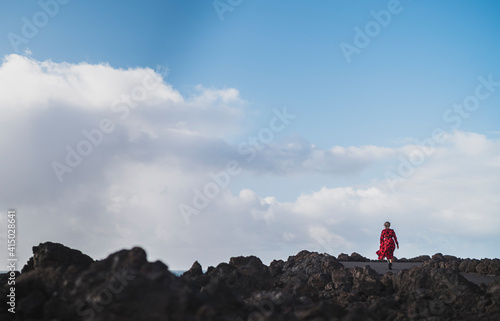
{"points": [[387, 224]]}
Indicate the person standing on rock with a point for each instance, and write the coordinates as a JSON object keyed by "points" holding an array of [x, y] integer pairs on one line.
{"points": [[388, 242]]}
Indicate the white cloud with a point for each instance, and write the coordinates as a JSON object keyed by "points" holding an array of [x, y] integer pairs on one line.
{"points": [[295, 155], [33, 85], [330, 242], [128, 190]]}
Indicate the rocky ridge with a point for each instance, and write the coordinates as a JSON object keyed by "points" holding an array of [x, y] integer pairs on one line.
{"points": [[483, 266], [59, 283], [489, 267]]}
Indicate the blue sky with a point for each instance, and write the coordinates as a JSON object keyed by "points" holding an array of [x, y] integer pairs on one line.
{"points": [[354, 120], [288, 54], [425, 59]]}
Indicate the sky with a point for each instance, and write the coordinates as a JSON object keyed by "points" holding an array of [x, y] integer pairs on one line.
{"points": [[203, 130]]}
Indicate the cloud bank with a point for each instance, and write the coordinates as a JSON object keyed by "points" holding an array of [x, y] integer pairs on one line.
{"points": [[131, 149]]}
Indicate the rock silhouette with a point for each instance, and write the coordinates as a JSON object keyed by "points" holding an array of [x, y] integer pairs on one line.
{"points": [[56, 255], [59, 283], [354, 257]]}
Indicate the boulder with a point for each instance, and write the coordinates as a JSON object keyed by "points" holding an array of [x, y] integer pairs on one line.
{"points": [[488, 267], [420, 258], [276, 267], [344, 257], [195, 271], [243, 275], [307, 274], [55, 255], [355, 257]]}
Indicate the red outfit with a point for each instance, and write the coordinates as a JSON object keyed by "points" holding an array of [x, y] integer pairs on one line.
{"points": [[387, 246]]}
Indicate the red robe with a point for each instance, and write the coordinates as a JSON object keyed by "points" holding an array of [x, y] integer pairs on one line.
{"points": [[387, 245]]}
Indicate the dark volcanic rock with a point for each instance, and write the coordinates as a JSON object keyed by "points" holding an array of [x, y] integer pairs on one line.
{"points": [[488, 267], [362, 281], [195, 276], [483, 266], [251, 266], [441, 261], [194, 272], [367, 281], [306, 274], [55, 255], [344, 257], [432, 292], [354, 257], [307, 286], [243, 275], [124, 286], [276, 267], [421, 258]]}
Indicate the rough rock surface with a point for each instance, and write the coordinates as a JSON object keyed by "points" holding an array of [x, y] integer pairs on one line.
{"points": [[421, 258], [354, 257], [55, 255], [483, 266], [307, 286]]}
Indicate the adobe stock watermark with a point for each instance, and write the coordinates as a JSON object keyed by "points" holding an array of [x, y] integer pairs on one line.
{"points": [[223, 6], [11, 260], [94, 137], [363, 36], [104, 296], [264, 308], [407, 165], [31, 26], [220, 180]]}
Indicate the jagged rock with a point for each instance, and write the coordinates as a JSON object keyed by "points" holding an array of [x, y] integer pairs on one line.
{"points": [[432, 292], [494, 267], [243, 275], [488, 267], [195, 276], [471, 267], [362, 281], [195, 271], [124, 286], [308, 286], [251, 266], [343, 257], [483, 266], [366, 281], [50, 254], [441, 261], [355, 257], [494, 290], [468, 266], [218, 298], [462, 267], [342, 279], [307, 273], [421, 258], [276, 267]]}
